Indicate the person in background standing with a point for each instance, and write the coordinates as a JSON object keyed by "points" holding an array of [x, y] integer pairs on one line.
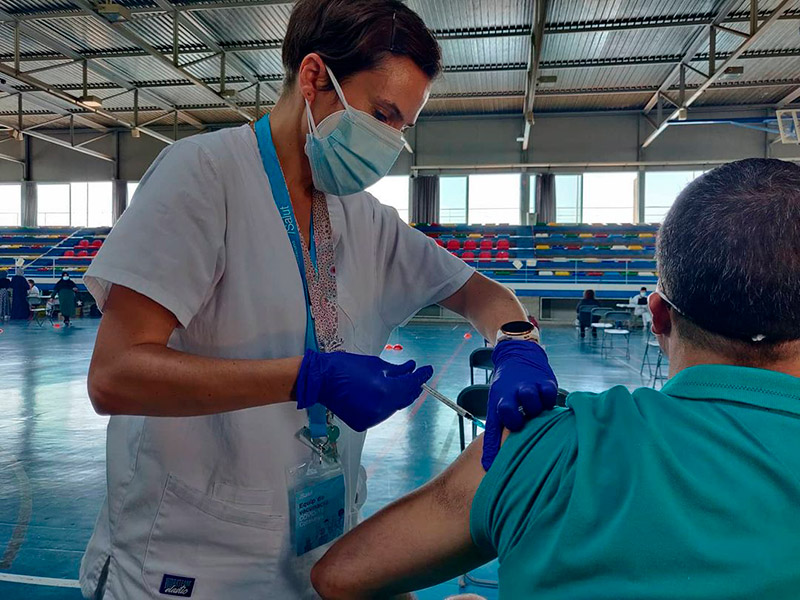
{"points": [[66, 290], [5, 297], [19, 296]]}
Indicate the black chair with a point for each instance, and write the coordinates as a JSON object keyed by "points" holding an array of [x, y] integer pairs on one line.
{"points": [[481, 358], [585, 319], [474, 399]]}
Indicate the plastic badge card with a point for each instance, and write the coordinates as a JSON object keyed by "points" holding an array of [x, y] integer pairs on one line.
{"points": [[316, 504]]}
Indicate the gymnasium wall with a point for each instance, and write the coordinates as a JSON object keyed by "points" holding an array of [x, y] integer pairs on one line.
{"points": [[452, 141]]}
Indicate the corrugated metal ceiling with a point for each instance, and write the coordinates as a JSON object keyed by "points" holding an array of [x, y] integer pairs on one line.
{"points": [[487, 42]]}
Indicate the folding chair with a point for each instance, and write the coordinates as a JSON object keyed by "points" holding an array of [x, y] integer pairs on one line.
{"points": [[481, 358], [620, 322]]}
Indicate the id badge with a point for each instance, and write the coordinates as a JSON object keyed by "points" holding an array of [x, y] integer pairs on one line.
{"points": [[316, 503]]}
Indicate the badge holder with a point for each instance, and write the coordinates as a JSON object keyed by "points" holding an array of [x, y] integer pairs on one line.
{"points": [[316, 493]]}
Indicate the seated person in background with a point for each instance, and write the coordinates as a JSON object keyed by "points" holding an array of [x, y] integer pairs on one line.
{"points": [[585, 318], [688, 492], [641, 310], [33, 290]]}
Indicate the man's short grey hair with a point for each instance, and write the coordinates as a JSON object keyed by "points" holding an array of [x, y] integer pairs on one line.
{"points": [[729, 254]]}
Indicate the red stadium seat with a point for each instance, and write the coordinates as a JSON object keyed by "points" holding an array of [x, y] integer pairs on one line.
{"points": [[94, 253], [470, 244], [503, 244], [468, 255], [69, 253], [83, 253], [487, 244], [97, 243], [83, 244], [502, 255], [440, 242], [485, 256], [453, 244]]}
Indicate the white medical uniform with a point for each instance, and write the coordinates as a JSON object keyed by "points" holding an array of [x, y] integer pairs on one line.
{"points": [[205, 497], [641, 310]]}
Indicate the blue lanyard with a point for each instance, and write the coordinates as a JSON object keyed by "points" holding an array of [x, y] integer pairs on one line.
{"points": [[317, 414]]}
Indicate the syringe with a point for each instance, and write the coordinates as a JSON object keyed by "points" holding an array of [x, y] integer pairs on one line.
{"points": [[449, 403]]}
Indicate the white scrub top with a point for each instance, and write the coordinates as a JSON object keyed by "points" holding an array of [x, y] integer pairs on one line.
{"points": [[205, 498]]}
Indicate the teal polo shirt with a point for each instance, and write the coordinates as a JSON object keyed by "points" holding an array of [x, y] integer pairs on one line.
{"points": [[691, 492]]}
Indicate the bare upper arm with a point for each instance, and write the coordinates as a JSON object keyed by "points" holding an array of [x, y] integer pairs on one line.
{"points": [[419, 540], [129, 319]]}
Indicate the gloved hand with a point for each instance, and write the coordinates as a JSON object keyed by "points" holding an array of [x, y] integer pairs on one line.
{"points": [[361, 390], [523, 385]]}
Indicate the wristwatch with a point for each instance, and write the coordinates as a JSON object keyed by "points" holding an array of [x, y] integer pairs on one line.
{"points": [[518, 330]]}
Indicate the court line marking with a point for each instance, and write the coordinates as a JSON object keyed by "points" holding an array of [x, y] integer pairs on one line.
{"points": [[449, 441], [44, 581], [23, 515]]}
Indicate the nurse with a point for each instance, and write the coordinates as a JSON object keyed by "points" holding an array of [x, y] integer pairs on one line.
{"points": [[246, 295]]}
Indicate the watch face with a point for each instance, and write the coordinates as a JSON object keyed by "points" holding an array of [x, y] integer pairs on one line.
{"points": [[517, 328]]}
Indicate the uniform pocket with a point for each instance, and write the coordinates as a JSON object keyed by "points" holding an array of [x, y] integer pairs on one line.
{"points": [[211, 548]]}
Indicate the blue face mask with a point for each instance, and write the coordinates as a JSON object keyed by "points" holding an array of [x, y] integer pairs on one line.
{"points": [[349, 150]]}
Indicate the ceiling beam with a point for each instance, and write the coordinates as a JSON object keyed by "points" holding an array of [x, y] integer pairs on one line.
{"points": [[65, 144], [44, 87], [205, 33], [512, 94], [545, 65], [123, 29], [103, 71], [537, 43], [658, 22], [664, 60], [714, 77], [695, 43], [49, 106], [789, 98]]}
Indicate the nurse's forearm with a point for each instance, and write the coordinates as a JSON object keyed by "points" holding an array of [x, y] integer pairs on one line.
{"points": [[486, 304], [156, 381], [134, 373]]}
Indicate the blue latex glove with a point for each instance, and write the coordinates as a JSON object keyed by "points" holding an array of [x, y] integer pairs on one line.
{"points": [[523, 386], [361, 390]]}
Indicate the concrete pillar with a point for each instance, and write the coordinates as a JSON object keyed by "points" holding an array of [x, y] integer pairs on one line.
{"points": [[30, 205], [526, 180], [119, 199], [640, 196]]}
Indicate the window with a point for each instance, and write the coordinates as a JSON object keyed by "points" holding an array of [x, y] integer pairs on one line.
{"points": [[494, 198], [132, 185], [10, 204], [568, 199], [609, 197], [660, 190], [393, 191], [53, 204], [452, 200], [81, 204], [99, 211]]}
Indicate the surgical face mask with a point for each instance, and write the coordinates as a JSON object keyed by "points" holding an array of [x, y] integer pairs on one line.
{"points": [[349, 150], [65, 277], [643, 294]]}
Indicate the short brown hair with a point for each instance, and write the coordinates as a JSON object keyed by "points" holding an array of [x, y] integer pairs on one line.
{"points": [[356, 35]]}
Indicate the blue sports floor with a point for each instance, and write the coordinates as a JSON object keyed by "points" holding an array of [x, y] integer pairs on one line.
{"points": [[52, 444]]}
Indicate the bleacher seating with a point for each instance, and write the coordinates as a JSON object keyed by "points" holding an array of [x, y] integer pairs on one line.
{"points": [[560, 259], [47, 251]]}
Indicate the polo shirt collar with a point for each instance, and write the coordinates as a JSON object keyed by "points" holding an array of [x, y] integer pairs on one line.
{"points": [[761, 388]]}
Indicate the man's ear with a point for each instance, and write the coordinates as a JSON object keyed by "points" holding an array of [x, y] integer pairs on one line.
{"points": [[311, 77], [662, 317]]}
